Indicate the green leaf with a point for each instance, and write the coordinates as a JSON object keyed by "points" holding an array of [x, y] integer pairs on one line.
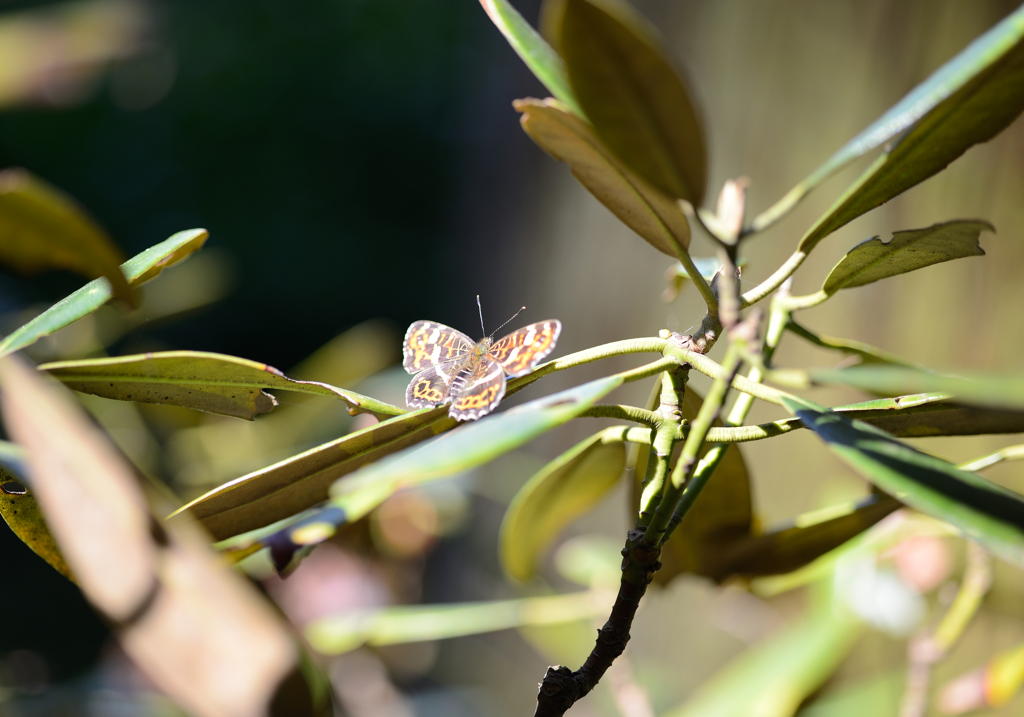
{"points": [[538, 55], [986, 390], [874, 259], [42, 228], [214, 383], [284, 489], [137, 270], [20, 511], [415, 623], [926, 415], [474, 444], [977, 69], [968, 100], [629, 90], [989, 514], [638, 205], [772, 678], [568, 487]]}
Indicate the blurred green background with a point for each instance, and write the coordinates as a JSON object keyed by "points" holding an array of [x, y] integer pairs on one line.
{"points": [[358, 160]]}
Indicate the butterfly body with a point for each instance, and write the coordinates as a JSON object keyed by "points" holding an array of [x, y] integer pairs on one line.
{"points": [[449, 366]]}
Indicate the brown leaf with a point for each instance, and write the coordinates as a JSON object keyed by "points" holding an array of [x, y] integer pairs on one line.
{"points": [[644, 209]]}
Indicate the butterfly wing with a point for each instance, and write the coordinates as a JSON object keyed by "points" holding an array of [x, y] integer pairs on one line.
{"points": [[477, 391], [430, 387], [521, 350], [428, 343]]}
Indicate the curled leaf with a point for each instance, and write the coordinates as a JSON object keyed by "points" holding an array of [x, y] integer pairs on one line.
{"points": [[140, 268], [644, 209]]}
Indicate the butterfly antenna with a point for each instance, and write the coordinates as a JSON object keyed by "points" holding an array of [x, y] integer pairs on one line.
{"points": [[483, 331], [521, 310]]}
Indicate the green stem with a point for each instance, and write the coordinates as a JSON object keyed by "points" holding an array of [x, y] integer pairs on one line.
{"points": [[1011, 453], [683, 471], [699, 281], [793, 303], [774, 281], [622, 413], [713, 370], [777, 321]]}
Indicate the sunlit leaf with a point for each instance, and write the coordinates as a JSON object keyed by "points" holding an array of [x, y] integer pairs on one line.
{"points": [[562, 491], [629, 90], [989, 514], [140, 268], [980, 75], [772, 678], [641, 207], [41, 228], [286, 488], [21, 512], [932, 414], [989, 390], [198, 631], [415, 623], [214, 383], [907, 251], [472, 445], [537, 54], [968, 100]]}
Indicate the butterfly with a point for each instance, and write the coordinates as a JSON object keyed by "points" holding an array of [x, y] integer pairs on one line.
{"points": [[450, 366]]}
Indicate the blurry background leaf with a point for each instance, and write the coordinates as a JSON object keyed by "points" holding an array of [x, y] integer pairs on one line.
{"points": [[214, 383], [985, 88], [973, 389], [987, 513], [538, 55], [774, 677], [140, 268], [628, 88], [909, 250], [197, 630], [41, 228], [21, 512], [51, 56], [786, 549], [415, 623], [865, 352], [644, 209], [562, 491]]}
